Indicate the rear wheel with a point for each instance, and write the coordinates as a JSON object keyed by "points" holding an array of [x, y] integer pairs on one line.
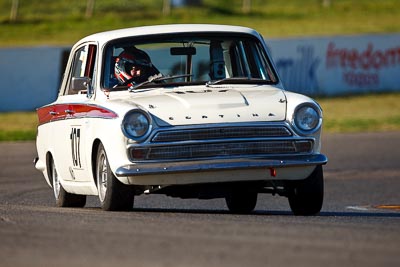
{"points": [[306, 196], [113, 195], [63, 198], [241, 202]]}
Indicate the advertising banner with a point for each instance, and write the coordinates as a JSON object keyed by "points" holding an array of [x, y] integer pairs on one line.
{"points": [[338, 65]]}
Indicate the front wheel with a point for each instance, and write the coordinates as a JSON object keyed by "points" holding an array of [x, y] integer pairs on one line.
{"points": [[113, 195], [306, 196], [63, 198]]}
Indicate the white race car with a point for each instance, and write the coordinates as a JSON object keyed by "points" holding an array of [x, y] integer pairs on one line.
{"points": [[189, 111]]}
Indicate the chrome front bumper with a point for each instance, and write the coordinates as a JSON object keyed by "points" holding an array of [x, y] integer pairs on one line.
{"points": [[219, 165]]}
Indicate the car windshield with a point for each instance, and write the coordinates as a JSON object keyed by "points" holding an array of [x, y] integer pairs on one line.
{"points": [[177, 60]]}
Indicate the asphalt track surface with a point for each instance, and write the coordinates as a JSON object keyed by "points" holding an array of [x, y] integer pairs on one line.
{"points": [[359, 224]]}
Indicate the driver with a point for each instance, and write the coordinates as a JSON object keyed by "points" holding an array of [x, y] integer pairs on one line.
{"points": [[133, 66]]}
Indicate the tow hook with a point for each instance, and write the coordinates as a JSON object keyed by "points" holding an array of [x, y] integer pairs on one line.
{"points": [[272, 172]]}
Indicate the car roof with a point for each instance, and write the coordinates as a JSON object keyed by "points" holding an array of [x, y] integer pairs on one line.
{"points": [[104, 37]]}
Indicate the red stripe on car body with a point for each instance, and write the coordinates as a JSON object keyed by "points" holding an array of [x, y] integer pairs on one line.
{"points": [[73, 111]]}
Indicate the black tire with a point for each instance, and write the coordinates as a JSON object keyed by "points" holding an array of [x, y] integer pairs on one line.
{"points": [[63, 198], [113, 195], [241, 202], [306, 196]]}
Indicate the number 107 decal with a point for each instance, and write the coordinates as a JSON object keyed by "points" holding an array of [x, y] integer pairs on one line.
{"points": [[75, 137]]}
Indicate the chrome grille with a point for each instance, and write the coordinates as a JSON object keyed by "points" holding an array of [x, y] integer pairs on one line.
{"points": [[221, 133], [234, 141], [225, 149]]}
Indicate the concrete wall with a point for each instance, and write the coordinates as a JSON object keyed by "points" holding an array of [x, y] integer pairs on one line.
{"points": [[331, 66], [29, 77]]}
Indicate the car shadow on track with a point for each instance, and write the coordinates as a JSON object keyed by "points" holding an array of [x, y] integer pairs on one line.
{"points": [[270, 213]]}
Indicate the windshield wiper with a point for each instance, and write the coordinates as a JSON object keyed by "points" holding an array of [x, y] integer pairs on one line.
{"points": [[237, 80], [156, 79]]}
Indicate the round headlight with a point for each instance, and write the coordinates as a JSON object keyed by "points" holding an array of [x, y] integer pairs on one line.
{"points": [[306, 118], [136, 124]]}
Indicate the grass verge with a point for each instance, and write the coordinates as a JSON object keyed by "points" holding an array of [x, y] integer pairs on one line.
{"points": [[366, 113], [18, 126], [49, 22]]}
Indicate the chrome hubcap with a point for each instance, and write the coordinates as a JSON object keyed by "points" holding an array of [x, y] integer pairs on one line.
{"points": [[56, 181], [102, 176]]}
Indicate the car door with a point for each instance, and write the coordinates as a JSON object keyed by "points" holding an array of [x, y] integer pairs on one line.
{"points": [[73, 105]]}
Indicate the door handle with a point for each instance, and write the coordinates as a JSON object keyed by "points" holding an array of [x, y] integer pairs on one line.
{"points": [[69, 111]]}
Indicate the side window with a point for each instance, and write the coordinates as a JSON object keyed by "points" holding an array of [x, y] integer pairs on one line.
{"points": [[78, 70], [83, 65]]}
